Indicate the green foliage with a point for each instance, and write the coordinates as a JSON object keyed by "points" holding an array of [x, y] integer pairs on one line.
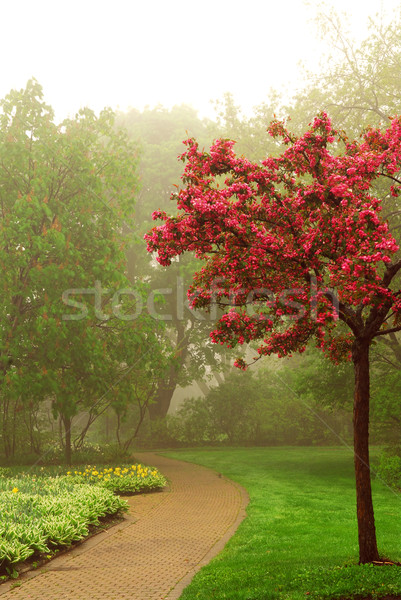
{"points": [[249, 133], [389, 469], [299, 539], [40, 513], [266, 407], [160, 433], [358, 84], [160, 133], [319, 379], [127, 479], [67, 197], [48, 507], [386, 409], [192, 423], [88, 453]]}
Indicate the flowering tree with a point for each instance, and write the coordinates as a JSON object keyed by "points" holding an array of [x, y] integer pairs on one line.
{"points": [[295, 248]]}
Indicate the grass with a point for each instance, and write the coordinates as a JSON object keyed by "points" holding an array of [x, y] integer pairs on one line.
{"points": [[299, 539]]}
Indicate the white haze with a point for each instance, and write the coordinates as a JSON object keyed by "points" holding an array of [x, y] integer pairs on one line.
{"points": [[127, 53]]}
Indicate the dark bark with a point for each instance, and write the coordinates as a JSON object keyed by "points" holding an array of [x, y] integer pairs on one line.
{"points": [[29, 416], [9, 418], [92, 416], [5, 429], [160, 405], [67, 438], [118, 426], [158, 409], [366, 523], [14, 433], [143, 407]]}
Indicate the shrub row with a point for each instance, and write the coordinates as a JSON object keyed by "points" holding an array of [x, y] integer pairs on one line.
{"points": [[41, 513]]}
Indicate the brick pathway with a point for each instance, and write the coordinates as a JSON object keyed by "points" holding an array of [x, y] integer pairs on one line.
{"points": [[155, 552]]}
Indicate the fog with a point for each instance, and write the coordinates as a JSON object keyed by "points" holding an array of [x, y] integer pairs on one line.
{"points": [[131, 54]]}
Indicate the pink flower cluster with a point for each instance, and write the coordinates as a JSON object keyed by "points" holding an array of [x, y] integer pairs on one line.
{"points": [[273, 225]]}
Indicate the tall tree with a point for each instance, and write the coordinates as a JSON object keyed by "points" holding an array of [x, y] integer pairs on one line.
{"points": [[160, 131], [65, 192], [276, 239], [358, 83]]}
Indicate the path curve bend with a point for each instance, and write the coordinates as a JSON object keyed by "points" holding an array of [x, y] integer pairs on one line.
{"points": [[155, 552]]}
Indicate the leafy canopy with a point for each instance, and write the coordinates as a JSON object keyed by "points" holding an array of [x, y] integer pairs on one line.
{"points": [[276, 237], [65, 192]]}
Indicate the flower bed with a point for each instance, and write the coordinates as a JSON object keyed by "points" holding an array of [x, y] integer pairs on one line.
{"points": [[41, 512], [127, 479]]}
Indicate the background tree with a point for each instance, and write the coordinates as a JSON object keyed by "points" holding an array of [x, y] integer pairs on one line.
{"points": [[255, 408], [65, 191], [160, 133], [358, 83]]}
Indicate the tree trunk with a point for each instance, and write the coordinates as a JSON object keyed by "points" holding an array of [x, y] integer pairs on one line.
{"points": [[160, 405], [5, 428], [366, 522], [67, 431], [158, 409], [118, 429]]}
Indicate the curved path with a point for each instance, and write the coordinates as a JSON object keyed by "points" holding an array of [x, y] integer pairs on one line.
{"points": [[154, 553]]}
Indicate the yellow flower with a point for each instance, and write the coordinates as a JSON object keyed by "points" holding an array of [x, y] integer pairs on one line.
{"points": [[15, 490], [68, 472]]}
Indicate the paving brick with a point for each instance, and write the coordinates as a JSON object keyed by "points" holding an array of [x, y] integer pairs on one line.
{"points": [[155, 552]]}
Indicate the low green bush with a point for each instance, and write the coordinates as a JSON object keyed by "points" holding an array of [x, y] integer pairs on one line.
{"points": [[389, 469], [88, 453], [127, 479], [41, 513], [47, 507], [237, 413]]}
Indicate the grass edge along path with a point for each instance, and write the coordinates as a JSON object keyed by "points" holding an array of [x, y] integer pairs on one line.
{"points": [[299, 540], [172, 532]]}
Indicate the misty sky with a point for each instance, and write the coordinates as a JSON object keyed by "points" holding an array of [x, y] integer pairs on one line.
{"points": [[125, 53]]}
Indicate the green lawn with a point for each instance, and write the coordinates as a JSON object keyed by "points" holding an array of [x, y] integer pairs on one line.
{"points": [[299, 539]]}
